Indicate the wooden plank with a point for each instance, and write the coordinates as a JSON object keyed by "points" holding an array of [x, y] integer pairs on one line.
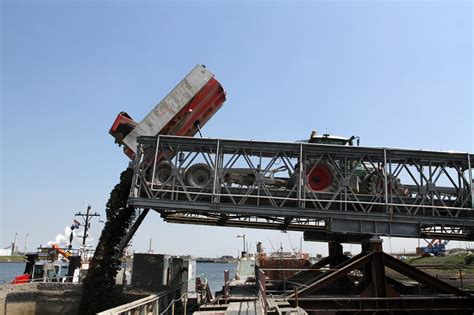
{"points": [[245, 308]]}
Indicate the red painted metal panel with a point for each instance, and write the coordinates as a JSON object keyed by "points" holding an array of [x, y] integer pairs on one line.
{"points": [[282, 263], [25, 278], [197, 111]]}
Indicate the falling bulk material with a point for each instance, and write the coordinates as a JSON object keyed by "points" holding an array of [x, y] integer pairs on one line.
{"points": [[100, 291]]}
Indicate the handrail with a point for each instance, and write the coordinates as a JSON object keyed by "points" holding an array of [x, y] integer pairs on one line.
{"points": [[62, 279], [151, 300], [146, 305], [183, 296], [262, 289]]}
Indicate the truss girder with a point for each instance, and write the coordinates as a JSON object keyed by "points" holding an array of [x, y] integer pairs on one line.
{"points": [[383, 191]]}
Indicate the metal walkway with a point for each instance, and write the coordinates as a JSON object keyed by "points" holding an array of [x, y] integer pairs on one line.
{"points": [[256, 184]]}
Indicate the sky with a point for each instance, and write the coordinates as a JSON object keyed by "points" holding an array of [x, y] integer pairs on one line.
{"points": [[396, 73]]}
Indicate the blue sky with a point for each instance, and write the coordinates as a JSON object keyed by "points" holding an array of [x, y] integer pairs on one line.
{"points": [[398, 74]]}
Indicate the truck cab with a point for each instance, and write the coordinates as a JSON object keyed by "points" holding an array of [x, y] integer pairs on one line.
{"points": [[331, 139]]}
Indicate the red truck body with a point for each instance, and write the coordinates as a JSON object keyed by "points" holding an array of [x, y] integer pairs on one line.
{"points": [[181, 113]]}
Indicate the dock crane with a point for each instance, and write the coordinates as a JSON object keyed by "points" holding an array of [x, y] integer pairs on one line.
{"points": [[434, 247]]}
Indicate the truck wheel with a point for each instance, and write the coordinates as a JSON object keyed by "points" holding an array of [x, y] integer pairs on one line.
{"points": [[162, 173], [373, 184], [198, 175], [321, 177]]}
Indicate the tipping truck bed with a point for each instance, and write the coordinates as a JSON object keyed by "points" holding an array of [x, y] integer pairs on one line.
{"points": [[186, 108]]}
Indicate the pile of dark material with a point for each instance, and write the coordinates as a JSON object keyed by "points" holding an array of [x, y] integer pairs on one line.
{"points": [[100, 292]]}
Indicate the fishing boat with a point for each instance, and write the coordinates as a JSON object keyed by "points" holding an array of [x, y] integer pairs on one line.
{"points": [[51, 264]]}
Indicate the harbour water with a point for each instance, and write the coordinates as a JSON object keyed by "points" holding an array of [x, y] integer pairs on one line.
{"points": [[213, 272], [8, 271]]}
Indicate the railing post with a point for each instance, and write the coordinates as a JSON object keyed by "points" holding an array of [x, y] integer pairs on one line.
{"points": [[296, 297], [226, 286], [155, 307], [216, 166], [470, 193], [155, 162], [390, 207], [135, 191], [300, 176], [385, 180], [185, 304]]}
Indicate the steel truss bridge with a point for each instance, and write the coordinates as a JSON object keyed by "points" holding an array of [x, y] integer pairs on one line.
{"points": [[260, 184]]}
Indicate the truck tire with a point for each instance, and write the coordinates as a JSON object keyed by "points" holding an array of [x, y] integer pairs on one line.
{"points": [[373, 184], [322, 177], [162, 173], [198, 175]]}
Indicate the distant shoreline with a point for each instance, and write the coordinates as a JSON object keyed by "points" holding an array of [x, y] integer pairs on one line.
{"points": [[11, 259], [20, 259], [215, 261]]}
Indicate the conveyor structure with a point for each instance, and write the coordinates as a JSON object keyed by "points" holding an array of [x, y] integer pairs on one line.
{"points": [[325, 187], [407, 193]]}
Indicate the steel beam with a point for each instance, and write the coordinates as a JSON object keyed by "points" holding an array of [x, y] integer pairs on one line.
{"points": [[424, 304], [421, 277], [325, 236], [353, 263], [245, 224], [126, 239], [396, 226], [293, 149]]}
